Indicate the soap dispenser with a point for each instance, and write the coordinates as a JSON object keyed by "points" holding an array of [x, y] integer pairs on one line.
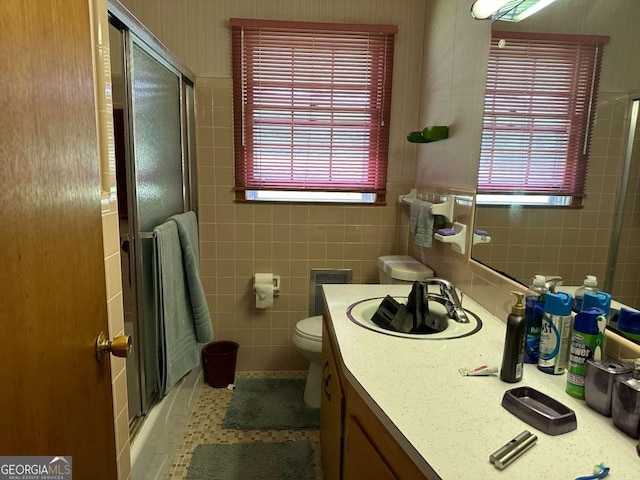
{"points": [[625, 405], [513, 354]]}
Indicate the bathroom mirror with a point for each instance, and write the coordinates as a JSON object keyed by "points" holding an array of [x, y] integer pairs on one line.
{"points": [[599, 238]]}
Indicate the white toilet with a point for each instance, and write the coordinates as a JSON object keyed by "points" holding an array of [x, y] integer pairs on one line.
{"points": [[307, 337]]}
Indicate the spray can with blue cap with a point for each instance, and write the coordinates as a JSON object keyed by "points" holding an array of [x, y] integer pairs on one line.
{"points": [[599, 300], [555, 333], [586, 337]]}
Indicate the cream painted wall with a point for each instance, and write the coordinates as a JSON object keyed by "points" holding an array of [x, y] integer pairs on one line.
{"points": [[456, 51], [454, 69]]}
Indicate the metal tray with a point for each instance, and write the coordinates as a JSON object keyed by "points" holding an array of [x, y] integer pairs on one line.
{"points": [[540, 410]]}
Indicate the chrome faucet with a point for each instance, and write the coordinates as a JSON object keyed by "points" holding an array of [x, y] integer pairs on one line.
{"points": [[452, 302]]}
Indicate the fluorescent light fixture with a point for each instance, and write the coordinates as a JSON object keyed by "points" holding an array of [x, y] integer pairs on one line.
{"points": [[507, 10], [535, 8], [483, 9]]}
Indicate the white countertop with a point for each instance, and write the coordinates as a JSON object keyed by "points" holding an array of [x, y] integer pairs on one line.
{"points": [[454, 422]]}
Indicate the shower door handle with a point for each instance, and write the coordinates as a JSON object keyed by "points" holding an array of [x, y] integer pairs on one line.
{"points": [[118, 347]]}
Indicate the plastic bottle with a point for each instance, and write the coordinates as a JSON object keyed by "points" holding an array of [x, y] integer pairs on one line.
{"points": [[513, 354], [555, 333], [585, 338], [591, 284], [629, 323], [534, 311]]}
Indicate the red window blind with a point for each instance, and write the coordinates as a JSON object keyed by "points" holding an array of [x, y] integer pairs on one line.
{"points": [[311, 105], [538, 115]]}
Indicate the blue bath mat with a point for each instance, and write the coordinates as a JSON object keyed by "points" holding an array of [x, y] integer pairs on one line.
{"points": [[248, 461], [270, 404]]}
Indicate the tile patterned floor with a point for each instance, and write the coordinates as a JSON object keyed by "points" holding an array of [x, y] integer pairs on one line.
{"points": [[205, 426]]}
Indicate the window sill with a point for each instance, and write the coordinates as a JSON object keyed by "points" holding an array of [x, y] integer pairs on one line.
{"points": [[272, 196], [555, 201]]}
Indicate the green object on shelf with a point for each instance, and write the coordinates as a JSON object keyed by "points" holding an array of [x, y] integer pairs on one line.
{"points": [[416, 137], [429, 134], [435, 133]]}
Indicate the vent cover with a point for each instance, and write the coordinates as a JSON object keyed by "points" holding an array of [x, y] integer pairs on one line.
{"points": [[320, 276]]}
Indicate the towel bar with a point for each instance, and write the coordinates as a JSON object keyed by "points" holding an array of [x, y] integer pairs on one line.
{"points": [[445, 208]]}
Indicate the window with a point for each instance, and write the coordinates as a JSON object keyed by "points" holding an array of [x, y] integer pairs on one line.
{"points": [[538, 115], [311, 110]]}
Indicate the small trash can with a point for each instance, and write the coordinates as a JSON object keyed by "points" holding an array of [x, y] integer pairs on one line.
{"points": [[219, 363]]}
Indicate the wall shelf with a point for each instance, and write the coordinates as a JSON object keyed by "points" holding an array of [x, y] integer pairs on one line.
{"points": [[458, 241], [429, 134], [481, 238]]}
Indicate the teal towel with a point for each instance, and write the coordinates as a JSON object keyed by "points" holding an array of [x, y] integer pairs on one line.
{"points": [[187, 224], [421, 223], [177, 347]]}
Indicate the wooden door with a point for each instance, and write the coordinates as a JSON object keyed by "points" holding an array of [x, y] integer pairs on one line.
{"points": [[55, 398]]}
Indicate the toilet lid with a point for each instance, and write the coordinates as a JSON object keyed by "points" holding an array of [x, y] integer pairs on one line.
{"points": [[310, 328]]}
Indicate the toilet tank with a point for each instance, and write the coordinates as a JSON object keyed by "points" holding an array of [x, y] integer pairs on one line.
{"points": [[395, 269]]}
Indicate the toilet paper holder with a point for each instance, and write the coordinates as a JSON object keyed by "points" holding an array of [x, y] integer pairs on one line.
{"points": [[276, 285]]}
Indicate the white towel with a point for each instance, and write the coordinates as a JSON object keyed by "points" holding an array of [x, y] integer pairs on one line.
{"points": [[421, 222]]}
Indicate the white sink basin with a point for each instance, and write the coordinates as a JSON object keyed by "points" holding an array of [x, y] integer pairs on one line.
{"points": [[362, 312]]}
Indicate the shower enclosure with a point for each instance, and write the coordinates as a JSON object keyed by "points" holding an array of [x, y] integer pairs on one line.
{"points": [[153, 107]]}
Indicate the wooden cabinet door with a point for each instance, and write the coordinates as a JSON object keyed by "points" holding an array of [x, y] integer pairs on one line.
{"points": [[332, 408], [361, 460]]}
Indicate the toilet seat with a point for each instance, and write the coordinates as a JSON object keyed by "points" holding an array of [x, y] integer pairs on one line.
{"points": [[310, 328]]}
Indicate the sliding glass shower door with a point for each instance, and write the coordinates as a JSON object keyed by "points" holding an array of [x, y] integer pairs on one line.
{"points": [[158, 183], [153, 123]]}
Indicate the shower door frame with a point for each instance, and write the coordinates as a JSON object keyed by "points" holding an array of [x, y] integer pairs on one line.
{"points": [[134, 32], [633, 114]]}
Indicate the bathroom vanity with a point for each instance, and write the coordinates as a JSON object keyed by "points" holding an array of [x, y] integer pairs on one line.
{"points": [[354, 440], [398, 408]]}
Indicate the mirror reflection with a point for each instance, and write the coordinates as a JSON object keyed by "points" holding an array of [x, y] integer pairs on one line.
{"points": [[600, 237]]}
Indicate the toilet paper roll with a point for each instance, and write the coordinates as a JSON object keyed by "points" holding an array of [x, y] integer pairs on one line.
{"points": [[263, 283]]}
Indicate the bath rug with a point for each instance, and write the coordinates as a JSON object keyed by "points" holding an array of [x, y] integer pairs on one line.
{"points": [[270, 404], [247, 461]]}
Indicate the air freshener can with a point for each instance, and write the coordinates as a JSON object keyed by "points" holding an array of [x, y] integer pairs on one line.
{"points": [[555, 333]]}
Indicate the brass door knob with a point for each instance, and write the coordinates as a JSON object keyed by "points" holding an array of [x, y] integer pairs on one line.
{"points": [[119, 346]]}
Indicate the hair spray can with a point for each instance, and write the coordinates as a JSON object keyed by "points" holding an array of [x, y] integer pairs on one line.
{"points": [[555, 333]]}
